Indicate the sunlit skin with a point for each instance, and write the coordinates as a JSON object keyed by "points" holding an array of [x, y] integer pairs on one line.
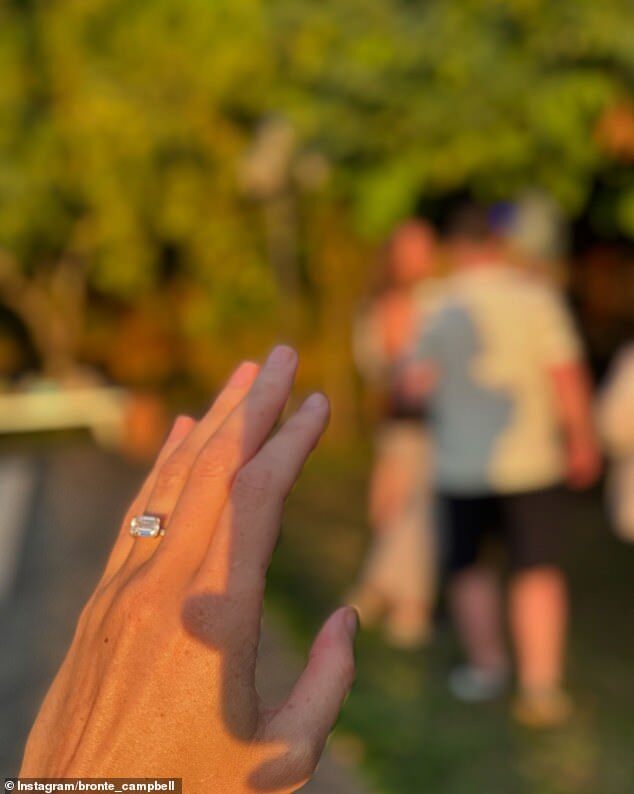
{"points": [[159, 678], [412, 253]]}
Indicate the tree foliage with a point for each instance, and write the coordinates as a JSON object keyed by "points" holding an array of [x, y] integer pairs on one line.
{"points": [[124, 129], [412, 98]]}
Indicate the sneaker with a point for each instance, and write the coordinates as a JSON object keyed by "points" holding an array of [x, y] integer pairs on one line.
{"points": [[478, 684], [542, 709]]}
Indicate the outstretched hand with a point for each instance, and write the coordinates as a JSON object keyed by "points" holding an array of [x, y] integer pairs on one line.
{"points": [[159, 680]]}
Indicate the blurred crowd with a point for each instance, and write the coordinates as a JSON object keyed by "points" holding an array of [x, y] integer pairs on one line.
{"points": [[489, 424]]}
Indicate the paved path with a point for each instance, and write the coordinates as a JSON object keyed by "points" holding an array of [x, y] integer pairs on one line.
{"points": [[50, 566]]}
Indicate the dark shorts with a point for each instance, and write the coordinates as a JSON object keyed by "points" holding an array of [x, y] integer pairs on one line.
{"points": [[531, 525]]}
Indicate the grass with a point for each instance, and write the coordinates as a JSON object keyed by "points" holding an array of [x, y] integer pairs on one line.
{"points": [[400, 723]]}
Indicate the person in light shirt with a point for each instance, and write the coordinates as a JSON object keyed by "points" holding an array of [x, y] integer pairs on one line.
{"points": [[511, 423]]}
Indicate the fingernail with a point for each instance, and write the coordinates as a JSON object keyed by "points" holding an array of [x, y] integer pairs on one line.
{"points": [[281, 356], [243, 374], [351, 621], [317, 402]]}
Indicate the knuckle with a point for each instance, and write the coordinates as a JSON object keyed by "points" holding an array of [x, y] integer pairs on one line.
{"points": [[172, 473], [210, 619], [201, 614], [214, 463], [253, 486]]}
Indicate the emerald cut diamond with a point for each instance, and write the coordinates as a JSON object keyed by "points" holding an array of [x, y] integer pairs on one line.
{"points": [[146, 526]]}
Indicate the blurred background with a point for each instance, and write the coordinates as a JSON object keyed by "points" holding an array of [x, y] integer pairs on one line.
{"points": [[183, 184]]}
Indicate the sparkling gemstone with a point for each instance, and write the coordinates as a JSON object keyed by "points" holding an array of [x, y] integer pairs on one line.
{"points": [[145, 526]]}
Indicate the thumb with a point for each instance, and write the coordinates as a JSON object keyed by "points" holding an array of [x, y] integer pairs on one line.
{"points": [[312, 708]]}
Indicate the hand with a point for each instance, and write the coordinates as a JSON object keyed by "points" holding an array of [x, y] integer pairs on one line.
{"points": [[159, 678], [583, 462]]}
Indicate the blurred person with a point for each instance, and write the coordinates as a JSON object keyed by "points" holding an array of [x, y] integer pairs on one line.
{"points": [[397, 583], [511, 420], [616, 424], [159, 680], [537, 235]]}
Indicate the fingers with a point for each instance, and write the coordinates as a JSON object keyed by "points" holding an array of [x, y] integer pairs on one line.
{"points": [[241, 549], [231, 578], [170, 476], [307, 717], [182, 426], [174, 472], [234, 443]]}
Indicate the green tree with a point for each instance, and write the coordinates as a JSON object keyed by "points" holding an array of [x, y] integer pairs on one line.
{"points": [[416, 99], [128, 133], [125, 122]]}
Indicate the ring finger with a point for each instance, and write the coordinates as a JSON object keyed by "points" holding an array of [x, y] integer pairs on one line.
{"points": [[173, 473]]}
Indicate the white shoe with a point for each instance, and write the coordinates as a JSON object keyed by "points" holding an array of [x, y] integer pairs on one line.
{"points": [[478, 684]]}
